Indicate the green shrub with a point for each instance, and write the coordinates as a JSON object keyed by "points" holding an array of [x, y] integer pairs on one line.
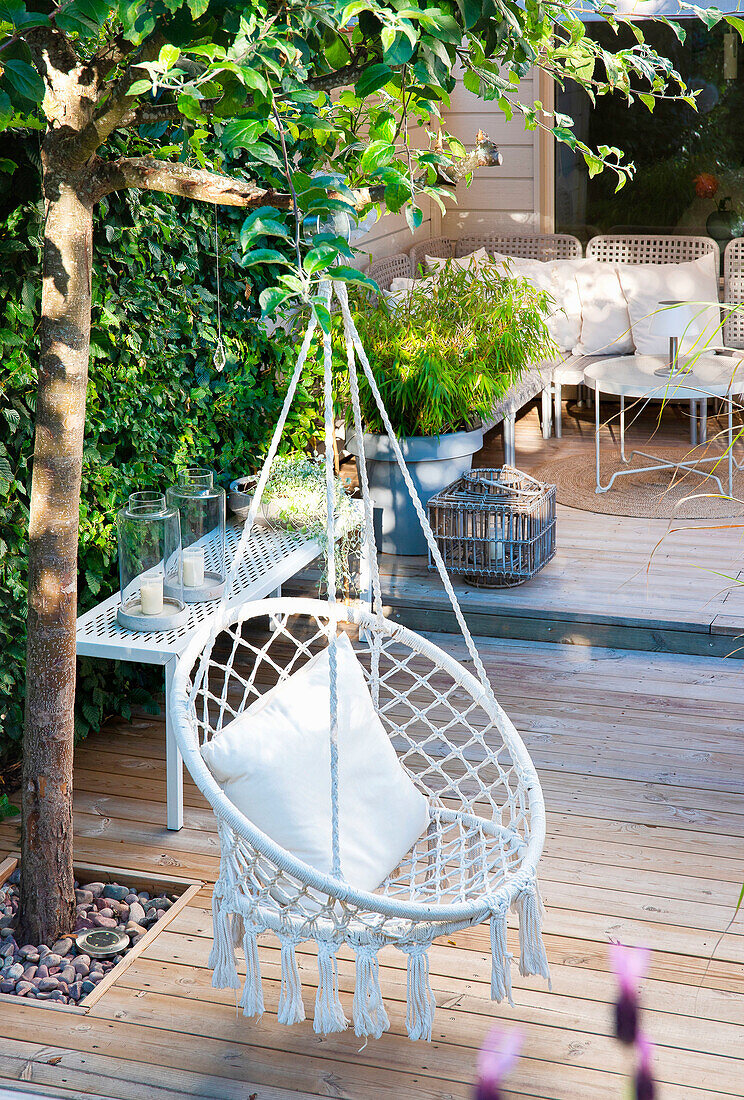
{"points": [[443, 358], [155, 402]]}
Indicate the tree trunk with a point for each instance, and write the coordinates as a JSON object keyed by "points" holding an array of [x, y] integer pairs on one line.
{"points": [[47, 893]]}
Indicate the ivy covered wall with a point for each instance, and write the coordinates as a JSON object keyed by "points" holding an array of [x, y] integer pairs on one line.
{"points": [[155, 401]]}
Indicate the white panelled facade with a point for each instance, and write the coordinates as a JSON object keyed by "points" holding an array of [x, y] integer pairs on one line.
{"points": [[509, 196]]}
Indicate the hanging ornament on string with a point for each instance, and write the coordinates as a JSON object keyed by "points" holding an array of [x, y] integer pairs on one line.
{"points": [[219, 358]]}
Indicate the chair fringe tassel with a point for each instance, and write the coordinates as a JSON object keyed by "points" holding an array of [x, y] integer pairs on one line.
{"points": [[329, 1015], [501, 986], [222, 955], [370, 1017], [252, 1001], [291, 1009], [421, 1003], [532, 957]]}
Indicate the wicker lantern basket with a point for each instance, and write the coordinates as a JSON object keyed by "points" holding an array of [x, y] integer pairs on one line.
{"points": [[494, 527]]}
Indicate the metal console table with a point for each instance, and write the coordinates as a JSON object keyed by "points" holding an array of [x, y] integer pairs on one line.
{"points": [[270, 559]]}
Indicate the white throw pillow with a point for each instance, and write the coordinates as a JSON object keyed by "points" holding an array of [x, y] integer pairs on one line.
{"points": [[605, 321], [273, 763], [558, 278], [696, 324], [472, 260], [399, 293]]}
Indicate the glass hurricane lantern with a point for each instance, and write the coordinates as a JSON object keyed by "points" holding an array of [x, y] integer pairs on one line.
{"points": [[201, 505], [149, 541]]}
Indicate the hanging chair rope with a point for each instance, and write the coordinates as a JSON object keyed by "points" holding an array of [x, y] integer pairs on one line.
{"points": [[330, 479], [353, 335]]}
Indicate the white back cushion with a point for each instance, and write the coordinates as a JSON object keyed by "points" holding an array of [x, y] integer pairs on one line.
{"points": [[558, 278], [273, 763], [696, 323], [435, 263], [605, 321]]}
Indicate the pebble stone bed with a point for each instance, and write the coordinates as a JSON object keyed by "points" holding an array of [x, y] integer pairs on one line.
{"points": [[61, 973]]}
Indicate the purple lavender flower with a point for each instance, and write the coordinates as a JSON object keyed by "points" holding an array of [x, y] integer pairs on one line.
{"points": [[644, 1079], [498, 1054], [630, 965]]}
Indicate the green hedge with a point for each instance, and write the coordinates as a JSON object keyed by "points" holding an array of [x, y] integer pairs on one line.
{"points": [[155, 402]]}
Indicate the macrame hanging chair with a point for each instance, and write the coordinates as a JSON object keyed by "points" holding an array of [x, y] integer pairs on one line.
{"points": [[478, 857]]}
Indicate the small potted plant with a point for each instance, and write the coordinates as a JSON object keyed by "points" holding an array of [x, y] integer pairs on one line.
{"points": [[441, 360], [295, 498]]}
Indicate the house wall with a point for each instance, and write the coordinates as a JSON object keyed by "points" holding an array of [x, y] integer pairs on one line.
{"points": [[517, 195]]}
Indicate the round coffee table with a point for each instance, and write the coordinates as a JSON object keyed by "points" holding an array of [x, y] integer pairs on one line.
{"points": [[635, 376]]}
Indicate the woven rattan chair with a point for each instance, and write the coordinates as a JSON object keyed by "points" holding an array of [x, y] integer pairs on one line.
{"points": [[533, 246], [733, 292]]}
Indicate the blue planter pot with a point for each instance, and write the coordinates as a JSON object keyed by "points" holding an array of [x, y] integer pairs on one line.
{"points": [[432, 461]]}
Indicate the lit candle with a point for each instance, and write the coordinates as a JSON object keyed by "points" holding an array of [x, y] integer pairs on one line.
{"points": [[151, 595], [193, 567]]}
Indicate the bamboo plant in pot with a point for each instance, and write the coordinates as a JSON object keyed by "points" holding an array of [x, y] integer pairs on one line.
{"points": [[442, 356]]}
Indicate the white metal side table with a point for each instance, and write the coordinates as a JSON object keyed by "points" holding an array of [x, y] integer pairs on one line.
{"points": [[270, 558], [635, 376]]}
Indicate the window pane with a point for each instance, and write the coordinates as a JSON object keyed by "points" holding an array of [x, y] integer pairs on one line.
{"points": [[688, 163]]}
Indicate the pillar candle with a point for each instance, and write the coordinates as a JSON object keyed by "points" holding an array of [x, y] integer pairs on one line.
{"points": [[151, 595], [193, 567]]}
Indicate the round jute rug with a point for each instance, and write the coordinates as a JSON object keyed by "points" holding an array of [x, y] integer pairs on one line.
{"points": [[663, 494]]}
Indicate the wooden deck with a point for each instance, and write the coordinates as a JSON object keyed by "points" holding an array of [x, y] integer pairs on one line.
{"points": [[641, 759], [614, 580]]}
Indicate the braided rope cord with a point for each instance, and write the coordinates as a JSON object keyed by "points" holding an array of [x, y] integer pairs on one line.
{"points": [[329, 424], [343, 298]]}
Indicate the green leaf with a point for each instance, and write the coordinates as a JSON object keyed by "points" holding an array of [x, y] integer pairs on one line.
{"points": [[271, 298], [414, 217], [471, 81], [738, 24], [139, 87], [344, 274], [319, 257], [648, 100], [375, 155], [168, 56], [259, 227], [372, 79], [25, 79], [259, 150], [397, 48], [266, 256], [242, 132], [198, 7]]}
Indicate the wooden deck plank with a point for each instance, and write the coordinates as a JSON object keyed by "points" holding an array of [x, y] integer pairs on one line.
{"points": [[647, 584], [640, 758]]}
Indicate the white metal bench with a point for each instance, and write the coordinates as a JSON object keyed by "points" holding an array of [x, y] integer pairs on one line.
{"points": [[269, 560]]}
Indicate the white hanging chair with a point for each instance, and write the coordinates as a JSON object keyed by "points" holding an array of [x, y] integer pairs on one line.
{"points": [[478, 857]]}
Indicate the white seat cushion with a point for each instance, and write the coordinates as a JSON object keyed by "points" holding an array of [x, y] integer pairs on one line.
{"points": [[605, 321], [273, 763], [696, 324]]}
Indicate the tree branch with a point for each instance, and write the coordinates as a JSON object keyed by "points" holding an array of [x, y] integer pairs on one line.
{"points": [[347, 75], [178, 179], [116, 103], [196, 183], [149, 114], [109, 56], [50, 46]]}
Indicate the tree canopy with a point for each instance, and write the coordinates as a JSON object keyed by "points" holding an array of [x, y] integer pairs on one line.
{"points": [[312, 102]]}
